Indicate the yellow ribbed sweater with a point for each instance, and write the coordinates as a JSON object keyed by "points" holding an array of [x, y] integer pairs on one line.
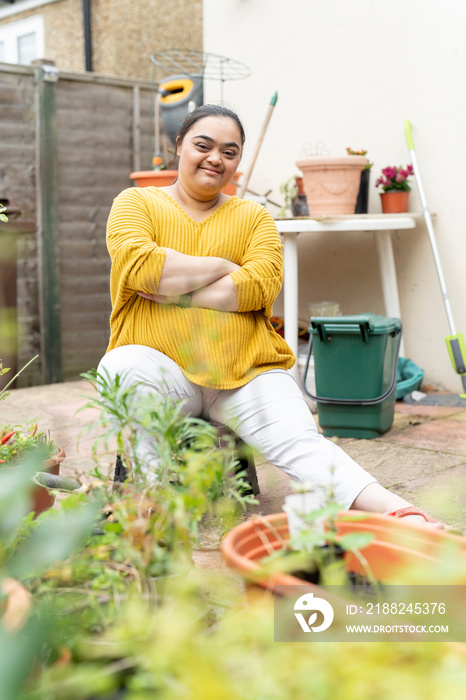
{"points": [[216, 349]]}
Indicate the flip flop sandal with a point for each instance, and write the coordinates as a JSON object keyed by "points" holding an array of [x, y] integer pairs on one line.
{"points": [[413, 510]]}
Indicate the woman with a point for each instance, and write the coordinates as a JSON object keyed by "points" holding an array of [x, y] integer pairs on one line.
{"points": [[194, 277]]}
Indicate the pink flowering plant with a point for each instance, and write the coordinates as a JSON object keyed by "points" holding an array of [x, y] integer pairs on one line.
{"points": [[395, 179]]}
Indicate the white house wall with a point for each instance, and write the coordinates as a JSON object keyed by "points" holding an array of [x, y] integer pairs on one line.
{"points": [[349, 74]]}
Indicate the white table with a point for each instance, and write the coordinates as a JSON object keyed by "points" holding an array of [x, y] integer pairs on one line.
{"points": [[380, 224]]}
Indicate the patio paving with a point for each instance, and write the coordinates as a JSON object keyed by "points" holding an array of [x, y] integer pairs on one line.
{"points": [[422, 457]]}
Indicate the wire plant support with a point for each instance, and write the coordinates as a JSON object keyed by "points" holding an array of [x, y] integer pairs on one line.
{"points": [[192, 65], [210, 66]]}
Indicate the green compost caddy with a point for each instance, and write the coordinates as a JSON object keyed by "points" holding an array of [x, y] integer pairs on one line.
{"points": [[355, 361]]}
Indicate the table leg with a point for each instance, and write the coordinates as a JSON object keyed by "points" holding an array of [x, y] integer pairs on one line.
{"points": [[391, 299], [290, 294]]}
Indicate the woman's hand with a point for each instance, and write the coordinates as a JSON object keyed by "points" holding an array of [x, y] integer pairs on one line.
{"points": [[161, 298], [220, 295]]}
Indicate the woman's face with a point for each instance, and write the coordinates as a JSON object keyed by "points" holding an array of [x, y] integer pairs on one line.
{"points": [[209, 156]]}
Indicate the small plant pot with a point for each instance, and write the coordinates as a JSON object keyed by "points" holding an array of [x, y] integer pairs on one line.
{"points": [[232, 187], [394, 202], [43, 499], [331, 184]]}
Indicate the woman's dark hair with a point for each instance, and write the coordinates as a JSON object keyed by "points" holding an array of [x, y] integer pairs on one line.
{"points": [[200, 113]]}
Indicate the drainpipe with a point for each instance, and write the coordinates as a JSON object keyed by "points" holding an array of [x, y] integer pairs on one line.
{"points": [[86, 4]]}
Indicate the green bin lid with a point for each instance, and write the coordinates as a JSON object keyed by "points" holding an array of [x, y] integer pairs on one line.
{"points": [[373, 323]]}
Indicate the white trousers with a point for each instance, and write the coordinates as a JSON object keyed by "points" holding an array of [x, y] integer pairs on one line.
{"points": [[269, 413]]}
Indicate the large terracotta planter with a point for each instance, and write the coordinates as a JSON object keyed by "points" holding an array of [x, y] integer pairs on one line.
{"points": [[394, 202], [331, 184], [397, 547], [163, 178]]}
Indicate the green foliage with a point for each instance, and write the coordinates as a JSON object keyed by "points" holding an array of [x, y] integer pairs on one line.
{"points": [[3, 392], [184, 450], [3, 217], [23, 441], [318, 550], [114, 607], [203, 642], [288, 189], [18, 443], [187, 635]]}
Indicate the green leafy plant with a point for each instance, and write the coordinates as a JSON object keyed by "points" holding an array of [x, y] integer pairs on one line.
{"points": [[180, 445], [3, 216], [361, 152], [289, 190], [317, 552], [17, 442]]}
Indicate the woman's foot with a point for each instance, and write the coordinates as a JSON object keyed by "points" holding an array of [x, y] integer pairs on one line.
{"points": [[376, 499], [415, 514]]}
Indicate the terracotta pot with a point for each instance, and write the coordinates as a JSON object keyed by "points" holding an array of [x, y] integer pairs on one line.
{"points": [[331, 184], [394, 202], [42, 498], [163, 178], [396, 546], [156, 178], [232, 188], [299, 185]]}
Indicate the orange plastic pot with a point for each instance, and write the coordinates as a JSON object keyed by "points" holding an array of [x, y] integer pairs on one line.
{"points": [[396, 548], [155, 178], [232, 187], [163, 178], [394, 202]]}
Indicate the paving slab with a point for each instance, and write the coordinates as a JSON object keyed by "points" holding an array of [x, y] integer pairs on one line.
{"points": [[443, 435], [405, 420], [56, 409], [391, 463], [275, 485], [431, 411], [443, 495], [424, 452], [459, 416]]}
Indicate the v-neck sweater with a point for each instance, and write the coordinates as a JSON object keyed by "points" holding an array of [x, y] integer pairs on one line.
{"points": [[217, 349]]}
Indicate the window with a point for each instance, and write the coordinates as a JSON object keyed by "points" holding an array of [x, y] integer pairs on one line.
{"points": [[27, 47], [22, 41]]}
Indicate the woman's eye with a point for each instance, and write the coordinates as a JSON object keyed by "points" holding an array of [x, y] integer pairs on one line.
{"points": [[230, 154], [203, 146]]}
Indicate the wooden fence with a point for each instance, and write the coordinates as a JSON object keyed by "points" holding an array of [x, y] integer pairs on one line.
{"points": [[68, 143]]}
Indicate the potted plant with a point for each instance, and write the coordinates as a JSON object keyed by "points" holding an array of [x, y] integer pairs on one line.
{"points": [[19, 443], [362, 202], [396, 188], [294, 198], [163, 178]]}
